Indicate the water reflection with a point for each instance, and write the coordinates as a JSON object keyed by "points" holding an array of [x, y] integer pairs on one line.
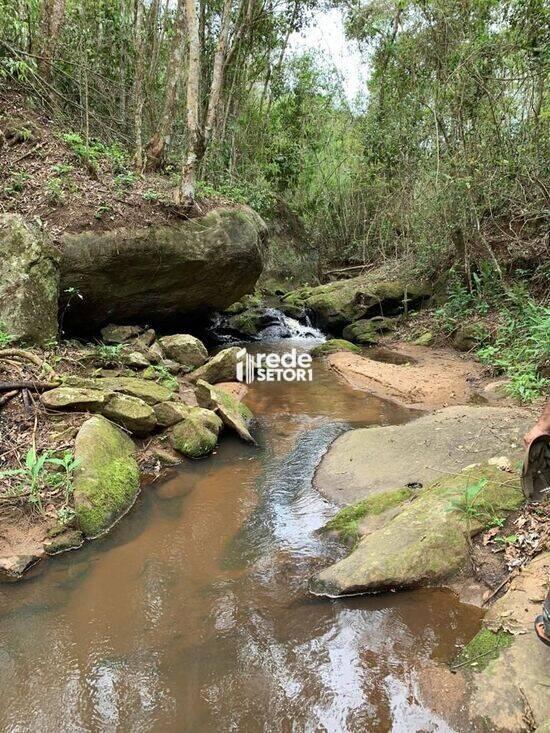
{"points": [[194, 616]]}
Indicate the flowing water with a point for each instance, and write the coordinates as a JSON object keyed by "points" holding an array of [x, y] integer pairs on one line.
{"points": [[193, 614]]}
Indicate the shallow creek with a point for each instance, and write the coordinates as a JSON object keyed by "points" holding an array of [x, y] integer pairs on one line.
{"points": [[193, 614]]}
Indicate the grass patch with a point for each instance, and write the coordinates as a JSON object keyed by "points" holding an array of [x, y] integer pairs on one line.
{"points": [[346, 522], [484, 647]]}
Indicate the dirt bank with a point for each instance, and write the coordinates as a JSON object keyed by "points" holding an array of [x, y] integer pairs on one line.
{"points": [[431, 378]]}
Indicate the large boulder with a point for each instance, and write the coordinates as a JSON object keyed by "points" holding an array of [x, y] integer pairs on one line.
{"points": [[29, 282], [332, 346], [145, 389], [154, 273], [428, 541], [106, 481], [81, 399]]}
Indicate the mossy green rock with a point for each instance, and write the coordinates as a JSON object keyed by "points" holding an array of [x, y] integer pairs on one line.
{"points": [[70, 539], [189, 352], [361, 332], [333, 345], [82, 399], [233, 413], [197, 434], [29, 282], [250, 322], [170, 413], [468, 336], [134, 275], [427, 542], [425, 339], [114, 334], [343, 302], [106, 481], [220, 368], [132, 413], [145, 389]]}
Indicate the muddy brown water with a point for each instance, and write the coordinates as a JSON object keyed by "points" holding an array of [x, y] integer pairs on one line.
{"points": [[193, 614]]}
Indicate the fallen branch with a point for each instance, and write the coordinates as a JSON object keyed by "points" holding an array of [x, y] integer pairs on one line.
{"points": [[8, 396], [36, 386]]}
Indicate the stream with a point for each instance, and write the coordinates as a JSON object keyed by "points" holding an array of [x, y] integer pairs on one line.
{"points": [[193, 614]]}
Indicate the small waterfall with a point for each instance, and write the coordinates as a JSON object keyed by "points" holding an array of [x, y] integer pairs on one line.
{"points": [[277, 326]]}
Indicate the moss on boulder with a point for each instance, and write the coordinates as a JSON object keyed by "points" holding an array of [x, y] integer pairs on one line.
{"points": [[346, 522], [189, 352], [333, 345], [29, 285], [220, 368], [197, 434], [82, 399], [145, 389], [132, 413], [170, 413], [428, 540], [106, 481], [483, 648], [233, 413]]}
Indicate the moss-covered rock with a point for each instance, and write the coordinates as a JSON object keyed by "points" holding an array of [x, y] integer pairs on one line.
{"points": [[425, 339], [293, 310], [220, 368], [250, 322], [203, 264], [145, 389], [106, 481], [233, 412], [29, 282], [82, 399], [346, 522], [69, 539], [468, 337], [170, 413], [343, 302], [197, 434], [427, 542], [132, 413], [184, 349], [361, 332], [333, 345]]}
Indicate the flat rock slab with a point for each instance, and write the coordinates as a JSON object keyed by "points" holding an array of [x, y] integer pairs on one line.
{"points": [[513, 689], [368, 461], [434, 378]]}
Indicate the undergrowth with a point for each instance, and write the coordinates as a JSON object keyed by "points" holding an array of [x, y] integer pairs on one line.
{"points": [[513, 329]]}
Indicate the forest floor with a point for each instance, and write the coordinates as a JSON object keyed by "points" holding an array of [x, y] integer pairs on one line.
{"points": [[70, 185]]}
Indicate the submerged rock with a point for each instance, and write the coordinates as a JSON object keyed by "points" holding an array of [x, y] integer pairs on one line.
{"points": [[106, 481], [161, 272], [13, 567], [220, 368], [233, 413], [332, 346], [189, 352], [428, 541], [197, 434], [29, 282], [132, 413]]}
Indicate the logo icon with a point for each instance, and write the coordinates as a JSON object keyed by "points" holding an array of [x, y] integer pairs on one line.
{"points": [[271, 367]]}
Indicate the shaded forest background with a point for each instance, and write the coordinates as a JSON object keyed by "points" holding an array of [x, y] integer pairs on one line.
{"points": [[442, 160]]}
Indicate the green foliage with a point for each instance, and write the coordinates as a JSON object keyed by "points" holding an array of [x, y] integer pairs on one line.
{"points": [[520, 339], [54, 188], [160, 374], [42, 474], [109, 354], [16, 183], [92, 153], [5, 337], [466, 504], [484, 647]]}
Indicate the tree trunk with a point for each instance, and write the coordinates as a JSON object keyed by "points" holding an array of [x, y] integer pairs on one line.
{"points": [[160, 139], [185, 194], [53, 13], [217, 73], [138, 85]]}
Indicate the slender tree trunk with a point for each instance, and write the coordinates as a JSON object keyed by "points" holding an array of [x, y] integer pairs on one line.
{"points": [[217, 73], [138, 85], [161, 138], [185, 194], [53, 14]]}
